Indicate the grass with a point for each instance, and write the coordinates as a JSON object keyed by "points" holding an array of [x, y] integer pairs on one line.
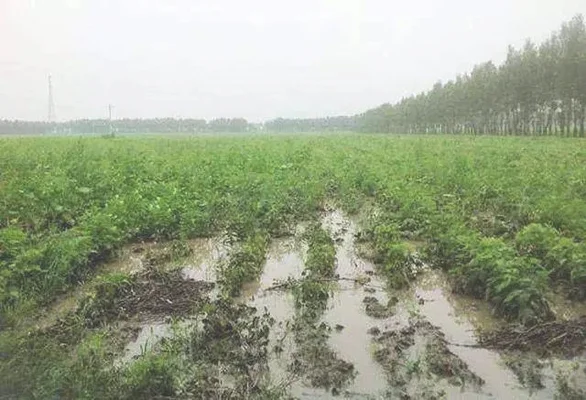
{"points": [[506, 217]]}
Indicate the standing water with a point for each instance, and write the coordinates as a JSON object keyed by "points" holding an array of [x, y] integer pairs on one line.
{"points": [[346, 309]]}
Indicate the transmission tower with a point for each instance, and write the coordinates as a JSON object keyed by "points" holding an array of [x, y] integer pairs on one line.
{"points": [[51, 113]]}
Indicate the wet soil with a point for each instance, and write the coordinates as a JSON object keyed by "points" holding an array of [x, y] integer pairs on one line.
{"points": [[508, 374], [375, 309], [315, 361], [347, 307], [195, 277]]}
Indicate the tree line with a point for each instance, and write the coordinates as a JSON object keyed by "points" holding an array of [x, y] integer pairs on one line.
{"points": [[340, 123], [105, 126], [538, 90], [171, 125]]}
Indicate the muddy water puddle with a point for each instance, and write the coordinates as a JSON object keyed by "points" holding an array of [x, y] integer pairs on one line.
{"points": [[148, 336], [454, 322], [205, 255], [459, 319], [450, 331], [200, 265], [284, 263], [419, 342], [360, 308], [346, 309], [133, 259]]}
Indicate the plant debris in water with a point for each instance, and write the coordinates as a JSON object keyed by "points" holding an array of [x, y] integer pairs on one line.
{"points": [[150, 294], [375, 309], [229, 352], [566, 338], [419, 353], [314, 360], [527, 369], [245, 263], [153, 293]]}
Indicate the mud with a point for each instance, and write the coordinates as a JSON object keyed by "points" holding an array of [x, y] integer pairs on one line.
{"points": [[315, 361], [226, 350], [436, 305], [508, 374], [145, 340], [529, 371], [347, 307], [284, 264], [375, 309], [566, 309], [196, 271], [283, 267]]}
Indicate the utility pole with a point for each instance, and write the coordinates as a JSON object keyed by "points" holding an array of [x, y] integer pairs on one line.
{"points": [[110, 119], [51, 107]]}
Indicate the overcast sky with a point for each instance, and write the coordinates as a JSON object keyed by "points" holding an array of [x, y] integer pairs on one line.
{"points": [[257, 59]]}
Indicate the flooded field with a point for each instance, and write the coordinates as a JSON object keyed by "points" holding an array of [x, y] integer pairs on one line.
{"points": [[318, 322]]}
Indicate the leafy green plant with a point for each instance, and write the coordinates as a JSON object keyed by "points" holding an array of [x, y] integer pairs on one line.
{"points": [[245, 264], [321, 254], [536, 240], [514, 285]]}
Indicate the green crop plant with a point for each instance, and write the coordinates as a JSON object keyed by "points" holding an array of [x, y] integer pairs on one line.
{"points": [[536, 240], [108, 193], [321, 254], [244, 264], [515, 285]]}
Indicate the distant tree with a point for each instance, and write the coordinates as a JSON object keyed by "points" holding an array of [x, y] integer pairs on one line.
{"points": [[537, 90]]}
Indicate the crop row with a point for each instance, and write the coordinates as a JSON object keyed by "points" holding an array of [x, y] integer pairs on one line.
{"points": [[67, 204]]}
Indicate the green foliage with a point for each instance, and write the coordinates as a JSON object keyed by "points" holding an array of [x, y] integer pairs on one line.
{"points": [[562, 257], [514, 285], [321, 254], [68, 203], [245, 264], [396, 259], [536, 91], [97, 307], [311, 294], [536, 240], [399, 265], [150, 377], [567, 261]]}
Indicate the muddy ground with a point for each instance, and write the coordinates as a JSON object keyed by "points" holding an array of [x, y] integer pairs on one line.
{"points": [[359, 339]]}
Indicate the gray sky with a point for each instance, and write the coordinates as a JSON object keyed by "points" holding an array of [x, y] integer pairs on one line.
{"points": [[256, 59]]}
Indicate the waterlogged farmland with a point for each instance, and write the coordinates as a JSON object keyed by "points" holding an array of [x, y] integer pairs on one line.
{"points": [[310, 266]]}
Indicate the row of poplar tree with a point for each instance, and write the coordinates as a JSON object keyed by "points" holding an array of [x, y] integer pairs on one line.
{"points": [[538, 90]]}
